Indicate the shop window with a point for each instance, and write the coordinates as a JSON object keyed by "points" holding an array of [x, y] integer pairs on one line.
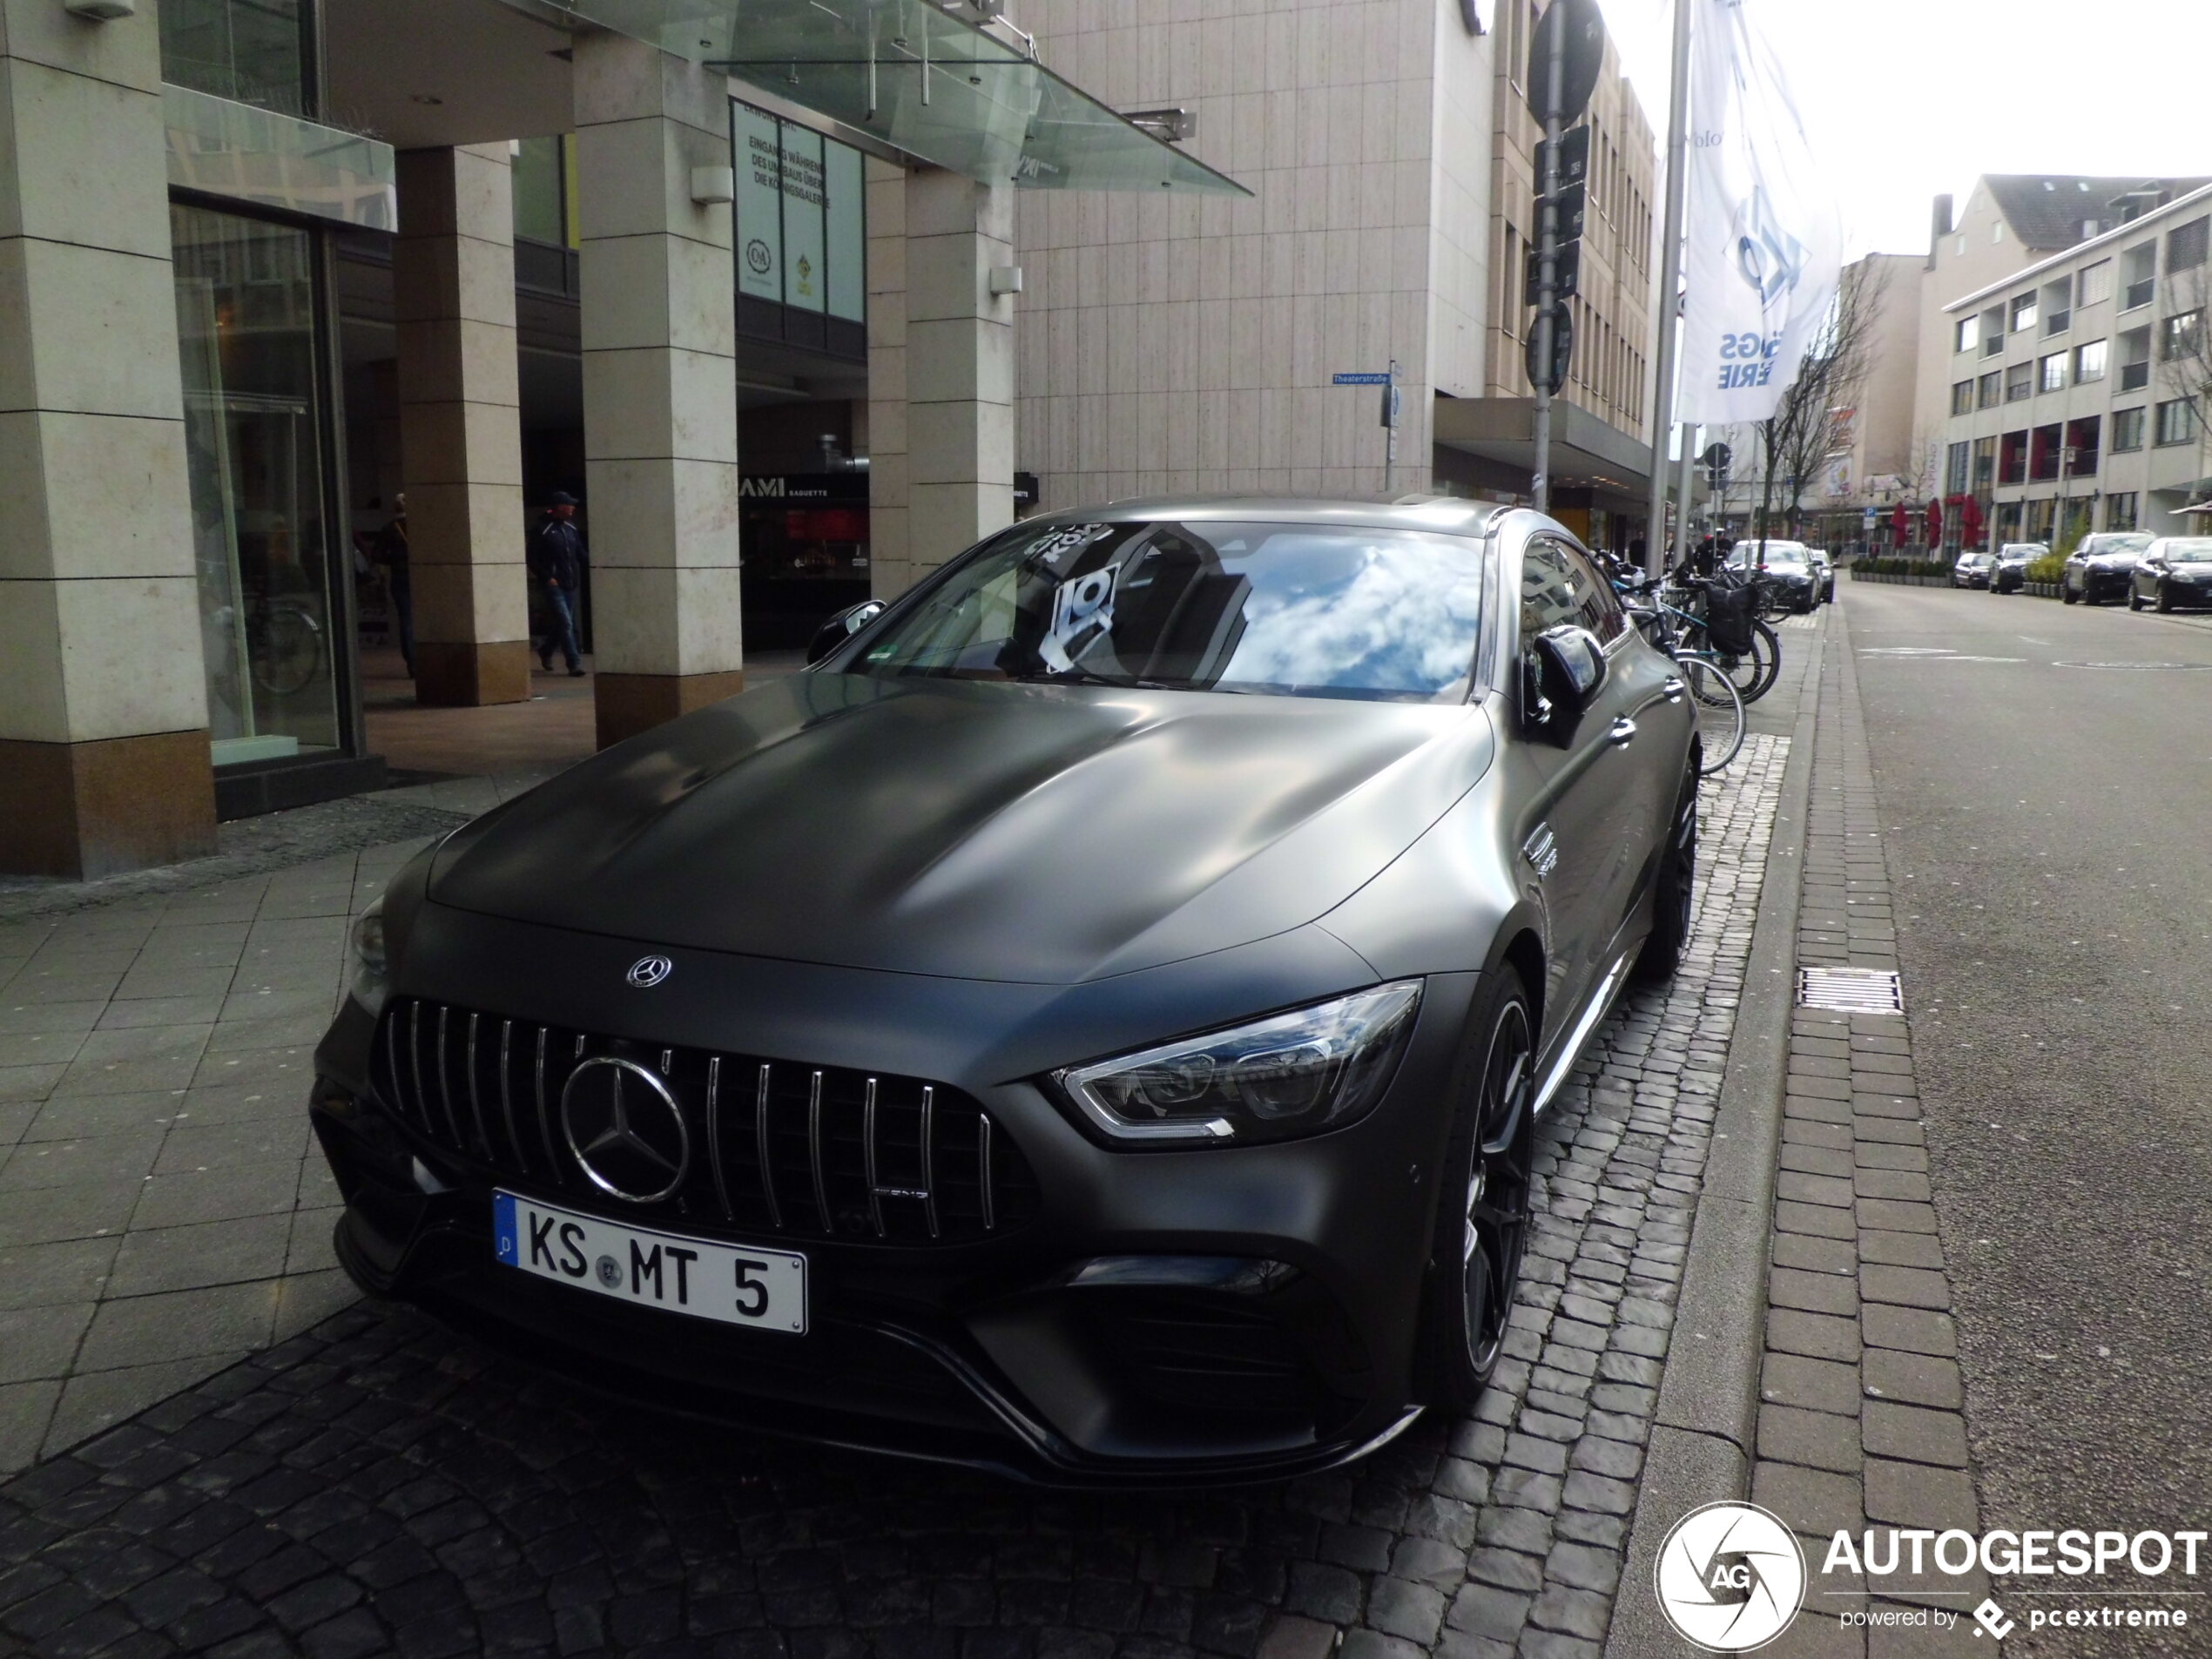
{"points": [[540, 205], [246, 300], [2120, 510], [251, 51]]}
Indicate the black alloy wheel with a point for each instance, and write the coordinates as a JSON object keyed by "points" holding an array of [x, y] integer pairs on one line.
{"points": [[1674, 888], [2165, 597], [1482, 1220]]}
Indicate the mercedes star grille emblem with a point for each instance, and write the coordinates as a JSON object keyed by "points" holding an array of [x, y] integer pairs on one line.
{"points": [[649, 971], [626, 1130]]}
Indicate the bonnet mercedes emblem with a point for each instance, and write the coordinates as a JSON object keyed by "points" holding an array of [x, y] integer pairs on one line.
{"points": [[626, 1128], [649, 971]]}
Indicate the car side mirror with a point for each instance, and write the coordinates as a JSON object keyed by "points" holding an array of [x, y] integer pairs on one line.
{"points": [[1562, 668], [840, 628]]}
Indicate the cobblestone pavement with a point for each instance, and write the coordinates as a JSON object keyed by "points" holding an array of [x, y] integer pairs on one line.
{"points": [[377, 1484], [1861, 1400]]}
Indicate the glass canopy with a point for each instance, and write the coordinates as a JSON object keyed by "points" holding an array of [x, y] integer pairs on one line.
{"points": [[921, 79]]}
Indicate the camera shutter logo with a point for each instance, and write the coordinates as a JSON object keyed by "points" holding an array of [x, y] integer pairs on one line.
{"points": [[1730, 1577], [649, 971]]}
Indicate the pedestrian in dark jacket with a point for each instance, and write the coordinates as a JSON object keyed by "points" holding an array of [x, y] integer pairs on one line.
{"points": [[390, 550], [557, 557]]}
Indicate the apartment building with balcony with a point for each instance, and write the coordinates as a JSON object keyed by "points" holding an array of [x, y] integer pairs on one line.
{"points": [[2073, 383]]}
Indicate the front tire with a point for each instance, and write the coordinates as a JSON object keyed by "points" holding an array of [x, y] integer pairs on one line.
{"points": [[1482, 1221], [1674, 888], [2134, 599], [2067, 594], [2165, 600]]}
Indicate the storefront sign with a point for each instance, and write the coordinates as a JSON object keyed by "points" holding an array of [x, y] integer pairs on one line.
{"points": [[801, 218]]}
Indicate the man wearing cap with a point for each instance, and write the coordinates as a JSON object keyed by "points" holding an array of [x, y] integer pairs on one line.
{"points": [[556, 560]]}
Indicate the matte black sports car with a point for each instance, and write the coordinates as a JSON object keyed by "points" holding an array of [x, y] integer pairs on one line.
{"points": [[1090, 1025], [2102, 567]]}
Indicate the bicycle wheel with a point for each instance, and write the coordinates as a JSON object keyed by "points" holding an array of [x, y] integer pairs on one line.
{"points": [[285, 648], [1719, 708], [1753, 672]]}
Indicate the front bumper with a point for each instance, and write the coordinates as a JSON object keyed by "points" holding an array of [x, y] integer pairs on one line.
{"points": [[1177, 1319], [2100, 585]]}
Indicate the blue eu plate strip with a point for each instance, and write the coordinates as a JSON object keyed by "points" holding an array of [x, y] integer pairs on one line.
{"points": [[503, 1222]]}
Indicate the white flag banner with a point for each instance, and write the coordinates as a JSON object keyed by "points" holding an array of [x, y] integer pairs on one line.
{"points": [[1763, 243]]}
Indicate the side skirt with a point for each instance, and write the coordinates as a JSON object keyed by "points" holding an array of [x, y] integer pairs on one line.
{"points": [[1570, 1047]]}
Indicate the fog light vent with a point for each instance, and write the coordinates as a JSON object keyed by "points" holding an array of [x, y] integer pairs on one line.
{"points": [[1851, 990]]}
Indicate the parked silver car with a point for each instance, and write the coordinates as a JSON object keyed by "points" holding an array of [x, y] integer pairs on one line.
{"points": [[1973, 569], [2010, 574]]}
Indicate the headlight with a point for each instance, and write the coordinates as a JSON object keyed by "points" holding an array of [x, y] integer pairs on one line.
{"points": [[1273, 1080], [368, 957]]}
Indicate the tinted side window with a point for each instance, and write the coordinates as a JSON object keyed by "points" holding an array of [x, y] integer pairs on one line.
{"points": [[1558, 584], [1601, 612]]}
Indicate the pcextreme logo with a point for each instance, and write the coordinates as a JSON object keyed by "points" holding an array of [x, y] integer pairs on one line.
{"points": [[1729, 1577]]}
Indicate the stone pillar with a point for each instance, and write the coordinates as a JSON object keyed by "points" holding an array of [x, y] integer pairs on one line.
{"points": [[461, 448], [104, 763], [660, 390], [959, 365]]}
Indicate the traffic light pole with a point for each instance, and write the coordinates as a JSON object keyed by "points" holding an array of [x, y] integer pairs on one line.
{"points": [[1662, 385]]}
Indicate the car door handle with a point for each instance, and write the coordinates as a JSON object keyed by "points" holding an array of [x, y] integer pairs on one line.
{"points": [[1671, 688], [1622, 731]]}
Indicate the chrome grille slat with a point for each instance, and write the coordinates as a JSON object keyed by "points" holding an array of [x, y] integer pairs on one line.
{"points": [[814, 1152], [983, 1173], [867, 1151], [929, 1157], [475, 1103], [507, 1094], [928, 1161], [714, 1133], [767, 1162]]}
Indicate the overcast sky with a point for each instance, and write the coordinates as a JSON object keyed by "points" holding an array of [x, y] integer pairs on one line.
{"points": [[1905, 99]]}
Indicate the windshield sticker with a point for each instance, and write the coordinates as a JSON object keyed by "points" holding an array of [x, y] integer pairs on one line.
{"points": [[1055, 548], [1082, 612]]}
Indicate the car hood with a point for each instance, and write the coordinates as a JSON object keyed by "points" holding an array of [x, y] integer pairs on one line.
{"points": [[987, 831]]}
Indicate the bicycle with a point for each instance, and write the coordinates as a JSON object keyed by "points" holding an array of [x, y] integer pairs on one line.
{"points": [[1752, 671], [1718, 703]]}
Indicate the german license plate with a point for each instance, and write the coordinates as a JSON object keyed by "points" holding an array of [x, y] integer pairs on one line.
{"points": [[735, 1284]]}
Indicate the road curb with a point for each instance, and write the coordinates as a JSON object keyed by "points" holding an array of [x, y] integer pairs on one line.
{"points": [[1701, 1439]]}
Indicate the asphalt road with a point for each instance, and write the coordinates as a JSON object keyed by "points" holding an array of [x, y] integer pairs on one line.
{"points": [[2045, 779]]}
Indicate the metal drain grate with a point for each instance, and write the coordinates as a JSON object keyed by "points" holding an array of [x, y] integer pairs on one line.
{"points": [[1851, 990]]}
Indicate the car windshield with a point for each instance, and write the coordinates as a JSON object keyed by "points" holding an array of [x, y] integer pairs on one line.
{"points": [[1745, 554], [2189, 550], [1978, 558], [1290, 610], [2024, 550], [2127, 541]]}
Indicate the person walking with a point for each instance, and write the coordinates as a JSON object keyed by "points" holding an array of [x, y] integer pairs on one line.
{"points": [[390, 550], [556, 561]]}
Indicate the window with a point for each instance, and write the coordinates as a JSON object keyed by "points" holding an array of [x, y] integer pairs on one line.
{"points": [[2089, 362], [2012, 458], [2135, 360], [2138, 269], [253, 466], [2051, 373], [1962, 397], [2040, 514], [2095, 284], [2119, 511], [2082, 446], [2043, 453], [252, 52], [2185, 246], [2182, 337], [1954, 469], [1559, 586], [539, 190], [2023, 312], [1992, 392], [1985, 463], [1966, 334], [2058, 305], [2177, 422], [2020, 382], [2126, 429], [1992, 331]]}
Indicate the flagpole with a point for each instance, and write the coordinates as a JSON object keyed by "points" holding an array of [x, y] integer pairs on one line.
{"points": [[1662, 391]]}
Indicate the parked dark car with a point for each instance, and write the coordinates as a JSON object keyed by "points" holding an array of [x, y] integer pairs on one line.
{"points": [[1091, 1025], [1824, 574], [1786, 574], [2010, 573], [2174, 572], [2100, 568], [1972, 569]]}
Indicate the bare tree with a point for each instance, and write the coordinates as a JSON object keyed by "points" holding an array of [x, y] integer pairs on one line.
{"points": [[1811, 423]]}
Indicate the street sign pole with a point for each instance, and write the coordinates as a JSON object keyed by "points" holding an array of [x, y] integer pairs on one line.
{"points": [[1663, 384], [1681, 511], [1539, 485]]}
